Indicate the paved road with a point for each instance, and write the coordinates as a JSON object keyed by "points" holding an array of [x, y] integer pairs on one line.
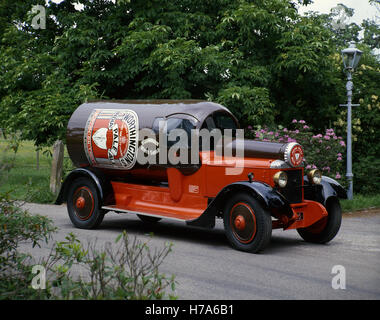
{"points": [[207, 268]]}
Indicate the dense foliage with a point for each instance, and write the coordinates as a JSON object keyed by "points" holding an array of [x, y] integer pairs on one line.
{"points": [[261, 59], [323, 150], [128, 271]]}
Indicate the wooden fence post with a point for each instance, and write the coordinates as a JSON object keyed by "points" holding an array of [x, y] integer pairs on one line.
{"points": [[56, 166]]}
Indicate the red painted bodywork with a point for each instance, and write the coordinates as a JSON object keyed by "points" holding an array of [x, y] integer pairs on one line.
{"points": [[186, 197]]}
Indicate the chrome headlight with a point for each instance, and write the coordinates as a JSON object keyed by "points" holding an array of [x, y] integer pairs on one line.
{"points": [[281, 179], [315, 176]]}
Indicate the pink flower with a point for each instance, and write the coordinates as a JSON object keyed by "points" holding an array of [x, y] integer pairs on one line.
{"points": [[277, 134], [308, 166], [297, 131], [302, 121], [314, 166], [339, 159], [342, 143], [294, 121], [285, 130], [328, 148], [249, 127], [326, 137], [270, 132], [306, 127], [339, 154], [338, 176], [335, 137]]}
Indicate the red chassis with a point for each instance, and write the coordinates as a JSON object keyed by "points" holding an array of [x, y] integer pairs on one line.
{"points": [[199, 198]]}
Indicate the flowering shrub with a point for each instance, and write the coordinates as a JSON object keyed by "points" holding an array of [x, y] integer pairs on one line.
{"points": [[323, 151]]}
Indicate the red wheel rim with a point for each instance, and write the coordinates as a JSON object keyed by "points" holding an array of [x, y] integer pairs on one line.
{"points": [[243, 222], [83, 203]]}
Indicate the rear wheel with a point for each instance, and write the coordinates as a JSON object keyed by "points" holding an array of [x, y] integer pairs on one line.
{"points": [[83, 204], [247, 225], [325, 229]]}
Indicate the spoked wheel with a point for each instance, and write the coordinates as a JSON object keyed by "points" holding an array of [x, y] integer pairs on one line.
{"points": [[325, 229], [83, 204], [247, 225], [148, 219]]}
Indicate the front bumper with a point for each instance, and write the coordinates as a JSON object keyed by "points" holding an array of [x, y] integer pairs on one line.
{"points": [[305, 214]]}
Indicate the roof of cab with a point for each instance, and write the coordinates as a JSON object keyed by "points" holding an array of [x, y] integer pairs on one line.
{"points": [[151, 109]]}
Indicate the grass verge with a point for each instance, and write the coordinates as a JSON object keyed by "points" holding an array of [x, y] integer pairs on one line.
{"points": [[23, 181], [360, 202]]}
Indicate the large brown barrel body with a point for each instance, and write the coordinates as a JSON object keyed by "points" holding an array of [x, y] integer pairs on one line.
{"points": [[105, 135]]}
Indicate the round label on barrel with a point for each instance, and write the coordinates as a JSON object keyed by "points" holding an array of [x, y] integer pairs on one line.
{"points": [[111, 138], [296, 155]]}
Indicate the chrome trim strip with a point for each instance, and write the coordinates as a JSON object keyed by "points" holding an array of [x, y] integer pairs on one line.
{"points": [[142, 213], [279, 164]]}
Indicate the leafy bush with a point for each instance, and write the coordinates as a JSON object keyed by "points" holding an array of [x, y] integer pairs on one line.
{"points": [[16, 227], [129, 271], [323, 151], [367, 175]]}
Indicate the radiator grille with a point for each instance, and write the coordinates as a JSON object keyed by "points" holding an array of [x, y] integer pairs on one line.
{"points": [[293, 190]]}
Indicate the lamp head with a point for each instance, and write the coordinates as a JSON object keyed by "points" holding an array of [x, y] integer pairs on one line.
{"points": [[351, 56]]}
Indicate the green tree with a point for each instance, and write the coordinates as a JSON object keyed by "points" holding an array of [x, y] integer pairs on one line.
{"points": [[261, 59], [240, 53]]}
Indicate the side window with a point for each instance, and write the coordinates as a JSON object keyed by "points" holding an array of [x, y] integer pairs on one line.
{"points": [[174, 123]]}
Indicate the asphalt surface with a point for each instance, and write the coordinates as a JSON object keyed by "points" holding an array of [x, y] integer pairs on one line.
{"points": [[206, 267]]}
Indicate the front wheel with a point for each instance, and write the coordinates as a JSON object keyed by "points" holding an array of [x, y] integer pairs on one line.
{"points": [[325, 229], [83, 204], [247, 225]]}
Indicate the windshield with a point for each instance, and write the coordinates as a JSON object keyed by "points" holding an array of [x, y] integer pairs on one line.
{"points": [[219, 121]]}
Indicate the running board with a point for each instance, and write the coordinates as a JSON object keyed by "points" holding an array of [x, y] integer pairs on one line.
{"points": [[148, 214]]}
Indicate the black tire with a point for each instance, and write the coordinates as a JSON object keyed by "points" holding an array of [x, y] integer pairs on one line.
{"points": [[88, 215], [247, 225], [148, 219], [326, 229]]}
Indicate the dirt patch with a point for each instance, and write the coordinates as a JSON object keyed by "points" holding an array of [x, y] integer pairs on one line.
{"points": [[371, 212]]}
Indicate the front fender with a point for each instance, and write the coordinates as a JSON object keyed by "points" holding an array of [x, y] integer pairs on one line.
{"points": [[327, 189], [268, 197], [264, 193]]}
